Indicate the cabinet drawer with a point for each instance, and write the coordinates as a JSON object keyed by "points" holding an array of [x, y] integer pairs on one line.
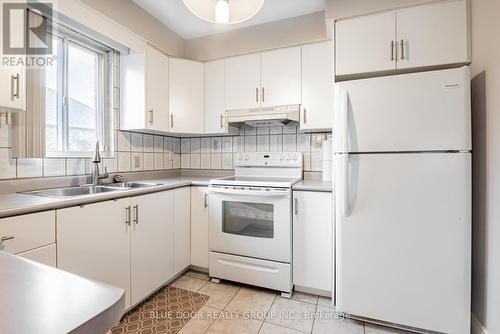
{"points": [[45, 255], [267, 274], [27, 232]]}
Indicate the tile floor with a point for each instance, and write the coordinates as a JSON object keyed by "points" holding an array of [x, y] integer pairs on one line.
{"points": [[236, 308]]}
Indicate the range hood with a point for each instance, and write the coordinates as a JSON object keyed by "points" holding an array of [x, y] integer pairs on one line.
{"points": [[275, 116]]}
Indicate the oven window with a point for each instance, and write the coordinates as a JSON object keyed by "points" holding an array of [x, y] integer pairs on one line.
{"points": [[248, 219]]}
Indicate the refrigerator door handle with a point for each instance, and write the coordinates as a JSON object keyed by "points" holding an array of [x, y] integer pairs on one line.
{"points": [[344, 97]]}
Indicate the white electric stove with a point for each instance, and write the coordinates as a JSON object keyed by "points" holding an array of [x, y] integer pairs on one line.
{"points": [[250, 224]]}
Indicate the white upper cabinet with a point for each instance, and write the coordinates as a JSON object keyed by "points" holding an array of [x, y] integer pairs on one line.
{"points": [[366, 44], [317, 86], [186, 96], [242, 76], [214, 97], [156, 90], [281, 77], [415, 37], [144, 91], [433, 34], [12, 91]]}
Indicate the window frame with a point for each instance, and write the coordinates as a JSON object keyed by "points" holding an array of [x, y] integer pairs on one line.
{"points": [[104, 122]]}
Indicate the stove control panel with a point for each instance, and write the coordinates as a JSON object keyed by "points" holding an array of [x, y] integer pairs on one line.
{"points": [[269, 159]]}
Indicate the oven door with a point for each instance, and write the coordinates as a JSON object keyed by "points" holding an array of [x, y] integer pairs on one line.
{"points": [[253, 222]]}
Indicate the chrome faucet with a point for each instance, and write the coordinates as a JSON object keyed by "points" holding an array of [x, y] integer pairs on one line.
{"points": [[96, 160]]}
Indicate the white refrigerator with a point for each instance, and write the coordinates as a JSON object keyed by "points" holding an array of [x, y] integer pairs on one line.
{"points": [[402, 165]]}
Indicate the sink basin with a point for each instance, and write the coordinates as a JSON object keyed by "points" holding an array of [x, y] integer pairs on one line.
{"points": [[131, 185], [73, 191]]}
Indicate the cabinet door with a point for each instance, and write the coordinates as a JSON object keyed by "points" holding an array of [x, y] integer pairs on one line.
{"points": [[214, 97], [157, 113], [12, 91], [151, 243], [242, 82], [45, 255], [364, 44], [281, 77], [182, 228], [94, 241], [199, 226], [312, 240], [187, 103], [317, 86], [433, 34]]}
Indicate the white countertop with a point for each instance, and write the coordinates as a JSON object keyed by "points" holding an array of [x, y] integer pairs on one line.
{"points": [[16, 204], [40, 299], [313, 185]]}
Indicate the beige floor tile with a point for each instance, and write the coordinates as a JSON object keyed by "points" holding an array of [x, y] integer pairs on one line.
{"points": [[375, 329], [253, 302], [220, 294], [200, 323], [305, 297], [268, 328], [233, 326], [197, 274], [292, 314], [325, 301], [327, 321], [188, 283]]}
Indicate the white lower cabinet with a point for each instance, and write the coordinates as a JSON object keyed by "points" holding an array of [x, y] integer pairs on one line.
{"points": [[31, 236], [199, 227], [132, 243], [182, 228], [94, 241], [45, 255], [312, 240], [152, 259]]}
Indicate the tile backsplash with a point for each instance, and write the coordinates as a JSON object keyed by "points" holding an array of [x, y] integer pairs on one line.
{"points": [[220, 152], [146, 152]]}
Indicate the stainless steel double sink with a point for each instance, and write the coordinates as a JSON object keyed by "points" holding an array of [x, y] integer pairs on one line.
{"points": [[87, 190]]}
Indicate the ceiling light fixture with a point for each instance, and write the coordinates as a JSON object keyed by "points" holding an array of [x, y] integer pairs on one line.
{"points": [[224, 11]]}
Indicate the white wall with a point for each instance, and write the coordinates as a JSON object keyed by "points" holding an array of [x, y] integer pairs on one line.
{"points": [[293, 31], [486, 163], [137, 20]]}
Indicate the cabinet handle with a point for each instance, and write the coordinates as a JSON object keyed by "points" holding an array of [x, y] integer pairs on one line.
{"points": [[221, 121], [127, 215], [263, 95], [151, 113], [7, 237], [171, 120], [14, 87], [402, 50], [256, 94], [136, 214], [392, 50], [304, 119], [296, 206], [206, 201]]}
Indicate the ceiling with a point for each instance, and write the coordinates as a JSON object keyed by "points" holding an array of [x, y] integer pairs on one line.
{"points": [[177, 17]]}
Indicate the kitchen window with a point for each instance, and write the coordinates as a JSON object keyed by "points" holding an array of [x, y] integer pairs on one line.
{"points": [[78, 96]]}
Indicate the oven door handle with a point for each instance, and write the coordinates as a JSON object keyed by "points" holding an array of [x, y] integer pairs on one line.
{"points": [[256, 193]]}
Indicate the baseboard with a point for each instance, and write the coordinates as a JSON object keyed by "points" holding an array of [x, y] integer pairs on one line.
{"points": [[476, 326]]}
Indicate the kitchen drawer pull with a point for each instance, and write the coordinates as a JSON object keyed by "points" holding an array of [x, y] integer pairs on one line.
{"points": [[127, 215], [151, 113], [136, 214], [256, 94], [7, 237]]}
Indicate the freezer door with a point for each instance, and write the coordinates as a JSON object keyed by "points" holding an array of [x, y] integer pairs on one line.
{"points": [[403, 239], [427, 111]]}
